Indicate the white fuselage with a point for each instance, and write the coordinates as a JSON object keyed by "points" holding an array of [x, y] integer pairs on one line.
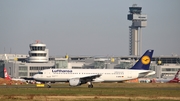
{"points": [[109, 75], [22, 80]]}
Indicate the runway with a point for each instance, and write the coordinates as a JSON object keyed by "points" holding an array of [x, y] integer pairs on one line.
{"points": [[32, 86], [86, 98], [101, 91], [101, 85]]}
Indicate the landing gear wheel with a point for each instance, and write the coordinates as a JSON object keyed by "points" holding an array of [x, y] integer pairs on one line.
{"points": [[49, 86], [90, 86]]}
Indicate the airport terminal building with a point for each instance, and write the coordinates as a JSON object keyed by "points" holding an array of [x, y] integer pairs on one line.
{"points": [[22, 66]]}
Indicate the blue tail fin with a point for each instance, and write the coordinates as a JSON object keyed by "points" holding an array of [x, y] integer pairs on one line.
{"points": [[144, 61]]}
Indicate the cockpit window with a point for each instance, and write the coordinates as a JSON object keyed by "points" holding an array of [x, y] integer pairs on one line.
{"points": [[40, 72]]}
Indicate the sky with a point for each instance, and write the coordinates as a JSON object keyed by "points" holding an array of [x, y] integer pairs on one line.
{"points": [[87, 27]]}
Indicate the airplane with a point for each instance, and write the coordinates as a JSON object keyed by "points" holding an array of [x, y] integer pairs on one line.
{"points": [[174, 80], [7, 77], [77, 77]]}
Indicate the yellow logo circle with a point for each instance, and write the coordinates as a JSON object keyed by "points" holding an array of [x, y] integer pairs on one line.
{"points": [[145, 60]]}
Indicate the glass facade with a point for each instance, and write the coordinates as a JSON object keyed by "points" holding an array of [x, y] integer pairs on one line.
{"points": [[32, 73], [23, 74], [37, 48], [170, 69], [23, 68], [38, 54], [99, 64], [1, 69], [125, 65], [61, 63], [40, 68]]}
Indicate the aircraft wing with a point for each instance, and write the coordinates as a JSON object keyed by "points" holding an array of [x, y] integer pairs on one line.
{"points": [[146, 73], [28, 78], [86, 76]]}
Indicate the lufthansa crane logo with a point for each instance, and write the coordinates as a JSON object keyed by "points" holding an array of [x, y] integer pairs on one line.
{"points": [[145, 60]]}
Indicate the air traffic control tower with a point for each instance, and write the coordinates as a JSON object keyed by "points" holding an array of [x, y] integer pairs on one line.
{"points": [[138, 21]]}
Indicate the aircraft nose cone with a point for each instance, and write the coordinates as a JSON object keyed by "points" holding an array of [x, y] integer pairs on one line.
{"points": [[35, 76]]}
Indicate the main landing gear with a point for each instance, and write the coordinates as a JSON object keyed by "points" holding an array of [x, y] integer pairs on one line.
{"points": [[49, 84], [90, 85]]}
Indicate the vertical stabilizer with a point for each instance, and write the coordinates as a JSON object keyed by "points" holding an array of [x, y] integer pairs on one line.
{"points": [[176, 78], [6, 76], [144, 62]]}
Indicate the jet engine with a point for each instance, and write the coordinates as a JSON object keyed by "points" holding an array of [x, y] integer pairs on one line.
{"points": [[74, 82]]}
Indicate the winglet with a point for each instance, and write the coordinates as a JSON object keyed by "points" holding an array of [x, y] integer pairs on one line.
{"points": [[6, 76], [144, 61]]}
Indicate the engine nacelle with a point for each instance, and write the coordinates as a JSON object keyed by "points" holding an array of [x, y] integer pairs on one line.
{"points": [[74, 82]]}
